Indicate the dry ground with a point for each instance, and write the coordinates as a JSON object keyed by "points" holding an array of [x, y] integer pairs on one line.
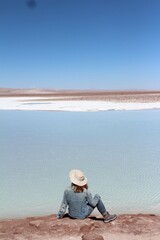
{"points": [[125, 227], [118, 96]]}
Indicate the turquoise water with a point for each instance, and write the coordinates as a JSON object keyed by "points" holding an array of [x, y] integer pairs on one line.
{"points": [[119, 151]]}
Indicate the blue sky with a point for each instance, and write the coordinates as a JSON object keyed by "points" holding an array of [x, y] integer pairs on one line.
{"points": [[80, 44]]}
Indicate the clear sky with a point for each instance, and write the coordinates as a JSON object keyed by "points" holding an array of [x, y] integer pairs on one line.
{"points": [[80, 44]]}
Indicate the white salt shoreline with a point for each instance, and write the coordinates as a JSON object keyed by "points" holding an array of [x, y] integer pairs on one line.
{"points": [[48, 104]]}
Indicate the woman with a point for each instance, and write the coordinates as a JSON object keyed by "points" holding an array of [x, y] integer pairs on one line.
{"points": [[79, 200]]}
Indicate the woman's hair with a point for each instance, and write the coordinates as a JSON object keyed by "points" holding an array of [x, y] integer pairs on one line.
{"points": [[78, 189]]}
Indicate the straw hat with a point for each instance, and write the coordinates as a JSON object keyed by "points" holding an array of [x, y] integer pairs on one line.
{"points": [[77, 177]]}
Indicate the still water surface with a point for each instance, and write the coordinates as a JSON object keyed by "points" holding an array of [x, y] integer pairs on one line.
{"points": [[119, 151]]}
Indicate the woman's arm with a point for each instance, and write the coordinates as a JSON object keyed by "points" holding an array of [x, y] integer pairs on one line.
{"points": [[63, 207]]}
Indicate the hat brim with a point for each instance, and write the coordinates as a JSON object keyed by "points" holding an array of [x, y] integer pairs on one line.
{"points": [[72, 176]]}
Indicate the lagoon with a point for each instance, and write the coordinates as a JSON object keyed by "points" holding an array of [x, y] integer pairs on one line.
{"points": [[117, 150]]}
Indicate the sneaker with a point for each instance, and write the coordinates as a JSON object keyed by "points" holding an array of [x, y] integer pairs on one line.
{"points": [[109, 218]]}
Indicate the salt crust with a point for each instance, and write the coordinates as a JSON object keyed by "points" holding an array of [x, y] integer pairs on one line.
{"points": [[47, 104]]}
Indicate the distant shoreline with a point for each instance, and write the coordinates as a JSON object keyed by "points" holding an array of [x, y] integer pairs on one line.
{"points": [[105, 95], [93, 95], [77, 101]]}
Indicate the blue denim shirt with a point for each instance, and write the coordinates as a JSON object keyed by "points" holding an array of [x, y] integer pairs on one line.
{"points": [[79, 204]]}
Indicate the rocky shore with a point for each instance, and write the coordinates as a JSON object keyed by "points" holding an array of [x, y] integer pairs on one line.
{"points": [[125, 227]]}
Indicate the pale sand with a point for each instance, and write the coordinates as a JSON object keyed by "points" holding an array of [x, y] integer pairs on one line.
{"points": [[125, 227]]}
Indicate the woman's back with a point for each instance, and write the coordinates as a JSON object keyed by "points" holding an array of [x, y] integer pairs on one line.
{"points": [[77, 202]]}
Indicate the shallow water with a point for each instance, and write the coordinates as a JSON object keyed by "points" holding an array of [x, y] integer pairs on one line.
{"points": [[118, 151]]}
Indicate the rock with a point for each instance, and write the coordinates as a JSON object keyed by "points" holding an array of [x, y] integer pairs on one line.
{"points": [[97, 225], [91, 236], [35, 223], [18, 230], [85, 228]]}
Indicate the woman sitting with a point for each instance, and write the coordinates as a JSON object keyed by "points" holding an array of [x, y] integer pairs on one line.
{"points": [[80, 201]]}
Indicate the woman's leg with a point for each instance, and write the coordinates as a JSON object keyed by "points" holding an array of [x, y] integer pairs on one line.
{"points": [[100, 206]]}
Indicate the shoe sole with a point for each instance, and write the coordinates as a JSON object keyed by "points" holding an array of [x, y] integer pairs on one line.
{"points": [[109, 220]]}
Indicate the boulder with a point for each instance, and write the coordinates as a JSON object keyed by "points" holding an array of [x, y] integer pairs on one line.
{"points": [[92, 236]]}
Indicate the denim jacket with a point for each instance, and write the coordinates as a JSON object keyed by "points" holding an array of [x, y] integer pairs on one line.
{"points": [[78, 203]]}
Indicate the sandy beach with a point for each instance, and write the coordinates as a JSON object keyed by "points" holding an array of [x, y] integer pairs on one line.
{"points": [[125, 227]]}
